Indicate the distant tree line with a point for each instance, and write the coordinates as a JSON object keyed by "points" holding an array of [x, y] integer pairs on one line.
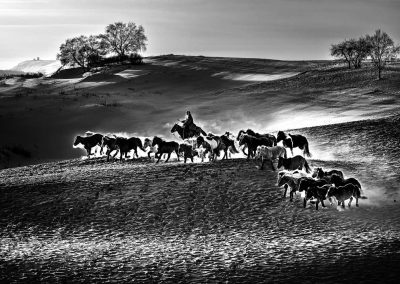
{"points": [[27, 75], [379, 47], [119, 43]]}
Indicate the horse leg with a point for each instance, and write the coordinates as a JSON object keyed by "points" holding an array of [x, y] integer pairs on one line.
{"points": [[343, 204], [351, 199], [292, 191], [88, 152], [177, 154], [169, 155], [356, 201], [272, 166], [304, 202], [115, 154], [316, 204], [262, 163], [322, 203], [291, 150], [284, 193], [159, 156]]}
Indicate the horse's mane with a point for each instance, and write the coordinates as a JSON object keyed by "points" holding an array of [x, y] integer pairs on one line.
{"points": [[251, 132], [158, 138]]}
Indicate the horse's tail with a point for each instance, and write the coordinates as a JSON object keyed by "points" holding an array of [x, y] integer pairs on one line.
{"points": [[307, 151], [234, 150], [140, 145], [360, 191], [306, 166]]}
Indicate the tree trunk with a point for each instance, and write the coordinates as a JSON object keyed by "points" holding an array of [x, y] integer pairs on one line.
{"points": [[379, 69]]}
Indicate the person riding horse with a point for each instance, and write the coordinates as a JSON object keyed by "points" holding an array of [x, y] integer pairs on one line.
{"points": [[188, 125]]}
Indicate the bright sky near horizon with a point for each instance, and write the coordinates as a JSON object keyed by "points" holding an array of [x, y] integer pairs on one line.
{"points": [[277, 29]]}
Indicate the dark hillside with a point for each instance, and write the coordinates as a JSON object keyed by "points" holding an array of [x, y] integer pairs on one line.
{"points": [[81, 220]]}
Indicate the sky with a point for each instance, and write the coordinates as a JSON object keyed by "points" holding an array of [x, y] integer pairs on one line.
{"points": [[276, 29]]}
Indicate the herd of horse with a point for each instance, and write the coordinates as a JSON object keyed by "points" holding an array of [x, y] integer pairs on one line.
{"points": [[317, 186]]}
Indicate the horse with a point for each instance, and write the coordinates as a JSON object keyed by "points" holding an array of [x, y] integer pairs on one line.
{"points": [[127, 144], [295, 163], [306, 183], [110, 144], [299, 174], [165, 147], [291, 180], [89, 142], [292, 141], [339, 181], [229, 144], [318, 192], [258, 135], [212, 144], [319, 173], [193, 131], [342, 193], [187, 151], [269, 153], [253, 142]]}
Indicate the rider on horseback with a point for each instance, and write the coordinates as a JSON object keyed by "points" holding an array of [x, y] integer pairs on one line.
{"points": [[188, 125]]}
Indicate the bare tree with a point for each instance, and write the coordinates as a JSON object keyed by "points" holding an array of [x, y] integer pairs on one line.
{"points": [[80, 51], [123, 39], [382, 50], [361, 49], [344, 50]]}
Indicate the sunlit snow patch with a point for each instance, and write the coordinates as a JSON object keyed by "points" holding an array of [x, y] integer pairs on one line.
{"points": [[254, 77], [130, 73]]}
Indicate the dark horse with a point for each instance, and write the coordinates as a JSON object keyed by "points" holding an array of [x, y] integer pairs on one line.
{"points": [[110, 144], [89, 142], [296, 163], [194, 131], [188, 152], [319, 173], [318, 192], [165, 147], [258, 135], [306, 184], [292, 141], [228, 143], [127, 144], [253, 142]]}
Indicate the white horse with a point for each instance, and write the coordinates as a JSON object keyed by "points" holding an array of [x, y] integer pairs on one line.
{"points": [[270, 153], [153, 149], [211, 144]]}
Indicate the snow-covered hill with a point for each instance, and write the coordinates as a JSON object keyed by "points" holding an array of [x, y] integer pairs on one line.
{"points": [[47, 67]]}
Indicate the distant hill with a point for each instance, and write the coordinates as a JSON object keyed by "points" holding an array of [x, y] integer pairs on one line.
{"points": [[47, 67]]}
